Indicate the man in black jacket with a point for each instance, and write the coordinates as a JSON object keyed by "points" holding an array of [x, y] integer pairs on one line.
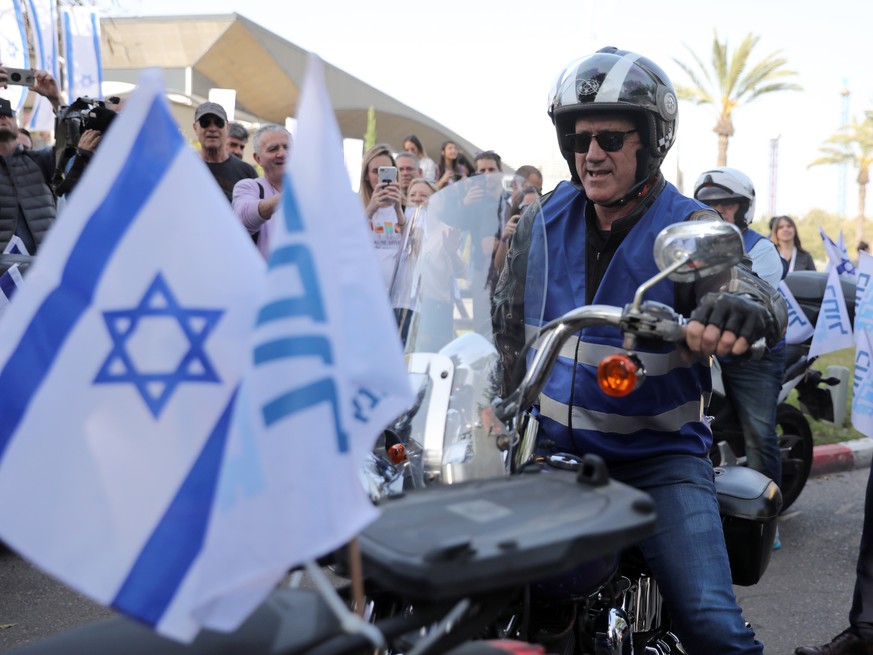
{"points": [[27, 204]]}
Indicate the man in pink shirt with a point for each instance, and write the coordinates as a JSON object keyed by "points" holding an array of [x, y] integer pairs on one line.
{"points": [[255, 201]]}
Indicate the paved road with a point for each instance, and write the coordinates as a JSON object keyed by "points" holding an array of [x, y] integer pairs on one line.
{"points": [[803, 598]]}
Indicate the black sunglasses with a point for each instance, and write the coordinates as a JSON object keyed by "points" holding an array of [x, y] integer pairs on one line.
{"points": [[206, 121], [608, 141]]}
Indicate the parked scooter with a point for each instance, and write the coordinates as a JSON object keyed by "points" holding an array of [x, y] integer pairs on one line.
{"points": [[477, 539], [822, 396]]}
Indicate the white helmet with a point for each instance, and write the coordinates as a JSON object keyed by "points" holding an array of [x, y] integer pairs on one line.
{"points": [[728, 184]]}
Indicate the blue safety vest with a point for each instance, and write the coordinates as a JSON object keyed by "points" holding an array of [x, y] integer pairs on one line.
{"points": [[663, 416]]}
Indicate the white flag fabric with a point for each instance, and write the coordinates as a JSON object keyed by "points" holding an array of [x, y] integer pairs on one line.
{"points": [[838, 256], [9, 283], [119, 361], [327, 375], [82, 50], [833, 330], [799, 327], [863, 315], [13, 49], [44, 26], [862, 400]]}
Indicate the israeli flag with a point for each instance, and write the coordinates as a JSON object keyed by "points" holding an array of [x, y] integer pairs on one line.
{"points": [[82, 49], [120, 359], [799, 327], [838, 256], [833, 331], [13, 49], [862, 400], [326, 375], [44, 26]]}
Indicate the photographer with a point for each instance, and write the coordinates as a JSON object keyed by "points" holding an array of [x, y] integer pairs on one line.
{"points": [[27, 204]]}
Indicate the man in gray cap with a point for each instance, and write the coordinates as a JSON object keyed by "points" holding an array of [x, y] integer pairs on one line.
{"points": [[211, 128], [27, 203]]}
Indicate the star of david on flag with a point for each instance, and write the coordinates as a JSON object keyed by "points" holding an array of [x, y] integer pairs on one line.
{"points": [[838, 256], [192, 326]]}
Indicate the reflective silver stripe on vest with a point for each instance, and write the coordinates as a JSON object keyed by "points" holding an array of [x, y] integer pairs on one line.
{"points": [[583, 419], [593, 353]]}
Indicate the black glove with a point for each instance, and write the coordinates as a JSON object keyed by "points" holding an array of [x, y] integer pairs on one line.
{"points": [[735, 313]]}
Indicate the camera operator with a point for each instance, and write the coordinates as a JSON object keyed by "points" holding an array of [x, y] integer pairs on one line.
{"points": [[27, 204]]}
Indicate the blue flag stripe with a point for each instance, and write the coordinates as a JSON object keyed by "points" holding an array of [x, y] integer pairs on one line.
{"points": [[174, 544], [153, 150]]}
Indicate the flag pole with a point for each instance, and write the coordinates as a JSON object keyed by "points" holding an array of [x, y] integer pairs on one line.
{"points": [[356, 571]]}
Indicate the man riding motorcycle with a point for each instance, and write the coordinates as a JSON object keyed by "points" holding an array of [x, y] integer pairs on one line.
{"points": [[615, 116]]}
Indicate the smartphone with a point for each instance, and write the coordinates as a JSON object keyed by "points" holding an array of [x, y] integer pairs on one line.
{"points": [[20, 76], [387, 174]]}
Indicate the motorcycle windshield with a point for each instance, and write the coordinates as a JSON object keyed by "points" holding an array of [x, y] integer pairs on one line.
{"points": [[453, 253]]}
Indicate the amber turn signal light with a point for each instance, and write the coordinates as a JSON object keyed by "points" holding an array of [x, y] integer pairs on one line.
{"points": [[618, 375], [397, 453]]}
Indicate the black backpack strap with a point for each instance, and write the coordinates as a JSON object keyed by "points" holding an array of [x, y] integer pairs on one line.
{"points": [[260, 190]]}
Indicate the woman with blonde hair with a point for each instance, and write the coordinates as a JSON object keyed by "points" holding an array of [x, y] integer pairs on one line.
{"points": [[783, 232], [383, 205]]}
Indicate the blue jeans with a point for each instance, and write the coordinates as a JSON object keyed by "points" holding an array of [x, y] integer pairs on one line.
{"points": [[753, 388], [687, 554]]}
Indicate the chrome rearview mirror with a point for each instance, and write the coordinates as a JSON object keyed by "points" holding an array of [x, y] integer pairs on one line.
{"points": [[696, 249]]}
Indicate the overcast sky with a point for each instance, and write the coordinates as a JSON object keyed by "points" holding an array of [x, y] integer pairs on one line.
{"points": [[484, 68]]}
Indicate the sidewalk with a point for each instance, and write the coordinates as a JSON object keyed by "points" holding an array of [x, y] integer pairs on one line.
{"points": [[844, 456]]}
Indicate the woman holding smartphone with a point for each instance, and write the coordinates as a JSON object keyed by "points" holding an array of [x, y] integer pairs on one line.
{"points": [[383, 203]]}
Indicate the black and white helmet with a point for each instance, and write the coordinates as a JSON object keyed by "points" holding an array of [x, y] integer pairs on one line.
{"points": [[617, 81], [727, 183]]}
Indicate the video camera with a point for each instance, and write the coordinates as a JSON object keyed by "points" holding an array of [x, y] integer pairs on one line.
{"points": [[83, 114]]}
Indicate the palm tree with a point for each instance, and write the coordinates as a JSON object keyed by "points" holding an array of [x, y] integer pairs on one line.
{"points": [[732, 81], [852, 144]]}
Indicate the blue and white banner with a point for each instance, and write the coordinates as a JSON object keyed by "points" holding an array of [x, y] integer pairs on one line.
{"points": [[862, 400], [120, 359], [326, 376], [82, 49], [799, 327], [833, 330], [838, 256], [13, 48], [863, 315], [10, 281], [44, 25]]}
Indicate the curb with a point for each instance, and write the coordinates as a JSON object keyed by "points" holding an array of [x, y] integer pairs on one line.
{"points": [[845, 456]]}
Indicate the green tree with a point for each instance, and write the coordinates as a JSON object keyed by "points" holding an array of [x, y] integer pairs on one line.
{"points": [[732, 80], [852, 144], [370, 134]]}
